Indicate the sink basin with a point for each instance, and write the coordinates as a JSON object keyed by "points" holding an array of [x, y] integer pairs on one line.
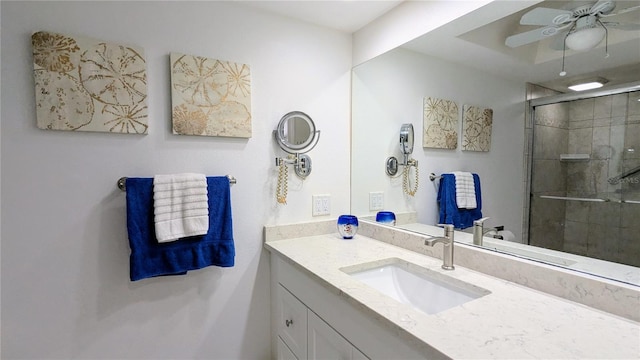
{"points": [[426, 290]]}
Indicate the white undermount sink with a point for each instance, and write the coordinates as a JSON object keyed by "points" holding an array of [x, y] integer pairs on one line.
{"points": [[426, 290]]}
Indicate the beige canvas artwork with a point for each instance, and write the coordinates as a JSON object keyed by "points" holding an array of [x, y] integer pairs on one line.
{"points": [[210, 97], [84, 84], [440, 124], [476, 128]]}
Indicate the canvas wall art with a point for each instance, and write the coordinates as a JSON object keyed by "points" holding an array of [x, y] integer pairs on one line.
{"points": [[440, 128], [210, 97], [84, 84], [476, 128]]}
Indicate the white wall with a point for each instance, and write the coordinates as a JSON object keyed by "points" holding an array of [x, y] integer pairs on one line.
{"points": [[65, 283], [389, 91]]}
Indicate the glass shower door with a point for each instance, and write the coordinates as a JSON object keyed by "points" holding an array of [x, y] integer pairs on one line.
{"points": [[629, 184], [585, 178]]}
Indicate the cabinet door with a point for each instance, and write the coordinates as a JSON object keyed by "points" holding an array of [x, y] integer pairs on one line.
{"points": [[292, 322], [358, 355], [284, 353], [324, 342]]}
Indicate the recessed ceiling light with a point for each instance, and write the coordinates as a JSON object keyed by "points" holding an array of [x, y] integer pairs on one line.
{"points": [[588, 84]]}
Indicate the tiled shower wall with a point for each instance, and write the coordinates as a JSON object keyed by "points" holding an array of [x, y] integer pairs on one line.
{"points": [[549, 176], [533, 92], [607, 129]]}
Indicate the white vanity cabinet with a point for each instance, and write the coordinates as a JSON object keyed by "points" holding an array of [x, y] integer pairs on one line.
{"points": [[309, 321], [304, 335], [283, 352], [291, 320], [512, 321], [325, 343]]}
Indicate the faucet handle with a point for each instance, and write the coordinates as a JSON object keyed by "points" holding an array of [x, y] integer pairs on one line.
{"points": [[448, 230], [480, 221]]}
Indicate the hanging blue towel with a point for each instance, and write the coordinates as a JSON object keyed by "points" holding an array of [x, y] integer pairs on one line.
{"points": [[150, 258], [449, 212]]}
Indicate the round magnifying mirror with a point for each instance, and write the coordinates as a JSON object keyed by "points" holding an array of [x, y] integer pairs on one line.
{"points": [[406, 138], [295, 132]]}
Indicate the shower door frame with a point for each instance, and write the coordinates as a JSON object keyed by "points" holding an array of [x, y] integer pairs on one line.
{"points": [[613, 90]]}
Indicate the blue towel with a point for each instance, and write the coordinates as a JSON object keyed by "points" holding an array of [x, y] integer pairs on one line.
{"points": [[449, 212], [150, 258]]}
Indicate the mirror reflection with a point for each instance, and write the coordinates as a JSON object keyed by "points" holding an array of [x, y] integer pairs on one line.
{"points": [[546, 175], [585, 187]]}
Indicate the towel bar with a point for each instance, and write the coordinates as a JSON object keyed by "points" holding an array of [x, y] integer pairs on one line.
{"points": [[123, 180], [433, 177]]}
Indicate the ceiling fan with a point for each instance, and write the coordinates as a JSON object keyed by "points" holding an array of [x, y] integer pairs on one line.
{"points": [[582, 28]]}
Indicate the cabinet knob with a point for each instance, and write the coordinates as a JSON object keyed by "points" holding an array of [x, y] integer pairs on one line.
{"points": [[288, 322]]}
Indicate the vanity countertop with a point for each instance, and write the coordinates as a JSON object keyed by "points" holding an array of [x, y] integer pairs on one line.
{"points": [[512, 322]]}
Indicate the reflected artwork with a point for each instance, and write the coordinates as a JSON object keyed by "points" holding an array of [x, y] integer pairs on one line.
{"points": [[476, 128], [210, 97], [440, 124], [84, 84]]}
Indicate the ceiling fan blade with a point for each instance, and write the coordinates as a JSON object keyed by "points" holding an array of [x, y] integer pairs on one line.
{"points": [[622, 26], [546, 16], [530, 36], [623, 11], [602, 7]]}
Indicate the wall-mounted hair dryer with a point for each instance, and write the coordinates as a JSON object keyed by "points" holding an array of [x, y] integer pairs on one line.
{"points": [[406, 147]]}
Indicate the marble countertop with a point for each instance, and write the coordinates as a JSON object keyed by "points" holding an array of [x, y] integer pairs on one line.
{"points": [[512, 322]]}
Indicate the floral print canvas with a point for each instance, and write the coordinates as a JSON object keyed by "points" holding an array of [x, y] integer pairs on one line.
{"points": [[440, 124], [476, 128], [84, 84], [210, 97]]}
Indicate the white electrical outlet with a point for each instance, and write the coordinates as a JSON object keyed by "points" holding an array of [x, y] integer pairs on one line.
{"points": [[321, 205], [376, 200]]}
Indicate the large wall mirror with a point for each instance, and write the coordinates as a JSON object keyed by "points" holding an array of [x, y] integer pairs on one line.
{"points": [[546, 176]]}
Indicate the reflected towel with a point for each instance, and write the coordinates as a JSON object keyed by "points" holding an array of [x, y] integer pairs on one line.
{"points": [[465, 190], [149, 258], [180, 206], [449, 211]]}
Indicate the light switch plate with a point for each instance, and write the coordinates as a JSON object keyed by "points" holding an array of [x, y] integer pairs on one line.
{"points": [[321, 205], [376, 200]]}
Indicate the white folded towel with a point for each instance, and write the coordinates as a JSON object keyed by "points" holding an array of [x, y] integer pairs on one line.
{"points": [[180, 206], [465, 190]]}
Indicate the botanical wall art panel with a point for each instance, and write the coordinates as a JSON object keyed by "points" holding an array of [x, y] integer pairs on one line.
{"points": [[440, 124], [476, 128], [210, 97], [84, 84]]}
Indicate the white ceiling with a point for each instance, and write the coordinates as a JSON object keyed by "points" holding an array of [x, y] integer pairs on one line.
{"points": [[477, 39], [343, 15]]}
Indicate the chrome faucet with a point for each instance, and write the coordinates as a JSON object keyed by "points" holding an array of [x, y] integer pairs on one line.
{"points": [[478, 231], [447, 241]]}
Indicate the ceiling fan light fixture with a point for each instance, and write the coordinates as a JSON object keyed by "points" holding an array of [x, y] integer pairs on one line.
{"points": [[585, 39], [588, 84]]}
